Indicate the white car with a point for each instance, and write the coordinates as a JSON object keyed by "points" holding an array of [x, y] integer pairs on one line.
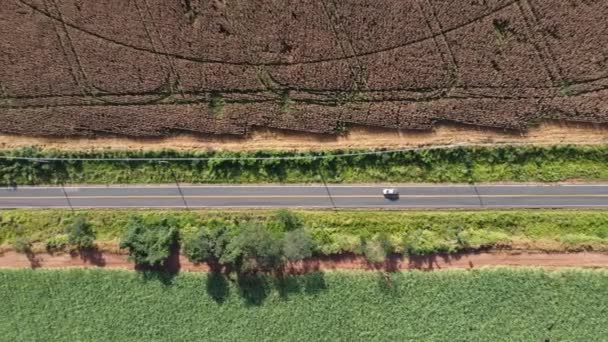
{"points": [[390, 192]]}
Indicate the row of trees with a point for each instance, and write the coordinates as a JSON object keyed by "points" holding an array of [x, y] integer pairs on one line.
{"points": [[249, 246], [244, 246]]}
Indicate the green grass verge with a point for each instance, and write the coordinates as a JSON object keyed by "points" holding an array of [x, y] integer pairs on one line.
{"points": [[336, 231], [479, 164], [478, 305]]}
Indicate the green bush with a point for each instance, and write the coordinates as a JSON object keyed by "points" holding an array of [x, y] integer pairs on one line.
{"points": [[22, 245], [340, 243], [377, 249], [420, 242], [57, 243], [253, 248], [580, 241], [297, 245], [480, 238], [80, 234], [149, 244], [207, 244], [287, 220]]}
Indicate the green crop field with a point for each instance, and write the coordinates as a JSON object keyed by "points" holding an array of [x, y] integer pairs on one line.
{"points": [[480, 305]]}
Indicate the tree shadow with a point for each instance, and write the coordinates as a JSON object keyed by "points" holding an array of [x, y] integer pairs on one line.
{"points": [[387, 284], [217, 287], [172, 264], [150, 274], [164, 273], [313, 283], [253, 288], [286, 285], [92, 256], [392, 262], [431, 262], [35, 262]]}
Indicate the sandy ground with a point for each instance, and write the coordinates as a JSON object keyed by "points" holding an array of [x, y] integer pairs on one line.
{"points": [[12, 259], [358, 137]]}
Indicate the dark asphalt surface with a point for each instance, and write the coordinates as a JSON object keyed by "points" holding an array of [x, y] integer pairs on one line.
{"points": [[307, 196]]}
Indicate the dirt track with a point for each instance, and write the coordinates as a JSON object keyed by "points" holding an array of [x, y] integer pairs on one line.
{"points": [[434, 262], [358, 137]]}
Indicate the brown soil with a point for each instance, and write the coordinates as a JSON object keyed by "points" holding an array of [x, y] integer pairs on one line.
{"points": [[347, 261], [357, 137]]}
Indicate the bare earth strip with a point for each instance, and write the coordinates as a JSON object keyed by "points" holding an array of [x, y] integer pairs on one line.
{"points": [[357, 138], [471, 260]]}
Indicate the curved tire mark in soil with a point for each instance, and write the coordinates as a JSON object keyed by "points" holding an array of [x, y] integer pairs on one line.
{"points": [[316, 61]]}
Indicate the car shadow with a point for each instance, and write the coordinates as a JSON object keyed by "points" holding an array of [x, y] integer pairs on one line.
{"points": [[392, 198]]}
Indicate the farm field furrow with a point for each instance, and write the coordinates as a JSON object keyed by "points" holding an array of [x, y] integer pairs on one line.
{"points": [[148, 68]]}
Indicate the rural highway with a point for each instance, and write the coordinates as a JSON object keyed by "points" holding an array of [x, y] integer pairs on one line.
{"points": [[307, 196]]}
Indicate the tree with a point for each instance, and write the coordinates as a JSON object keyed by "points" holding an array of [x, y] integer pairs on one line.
{"points": [[80, 234], [254, 248], [297, 245], [149, 244], [207, 244]]}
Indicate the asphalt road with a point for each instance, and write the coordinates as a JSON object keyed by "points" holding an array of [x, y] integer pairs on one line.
{"points": [[307, 196]]}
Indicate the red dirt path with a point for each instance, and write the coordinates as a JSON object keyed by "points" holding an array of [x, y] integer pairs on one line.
{"points": [[347, 261]]}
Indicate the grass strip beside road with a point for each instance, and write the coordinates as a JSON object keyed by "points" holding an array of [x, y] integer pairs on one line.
{"points": [[459, 164], [478, 305], [342, 231]]}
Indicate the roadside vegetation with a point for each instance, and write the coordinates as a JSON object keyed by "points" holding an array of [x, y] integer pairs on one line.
{"points": [[470, 164], [246, 240], [477, 305]]}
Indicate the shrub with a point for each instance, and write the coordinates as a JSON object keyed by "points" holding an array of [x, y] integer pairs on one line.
{"points": [[57, 243], [297, 245], [377, 249], [149, 244], [506, 163], [480, 238], [22, 245], [80, 234], [580, 241], [341, 243], [425, 241], [254, 248], [207, 244], [287, 220]]}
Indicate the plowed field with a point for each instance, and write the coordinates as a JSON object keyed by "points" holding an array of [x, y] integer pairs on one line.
{"points": [[156, 67]]}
